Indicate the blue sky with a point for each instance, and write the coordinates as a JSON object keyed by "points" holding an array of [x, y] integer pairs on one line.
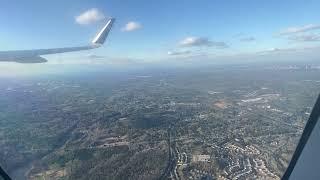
{"points": [[166, 29]]}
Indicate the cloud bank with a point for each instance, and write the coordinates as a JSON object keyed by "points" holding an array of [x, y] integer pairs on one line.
{"points": [[295, 30], [305, 37], [301, 34]]}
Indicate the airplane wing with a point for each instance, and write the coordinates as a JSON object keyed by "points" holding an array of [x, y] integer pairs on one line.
{"points": [[34, 56]]}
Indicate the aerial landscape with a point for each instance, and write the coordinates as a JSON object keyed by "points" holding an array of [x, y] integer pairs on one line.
{"points": [[219, 122], [157, 90]]}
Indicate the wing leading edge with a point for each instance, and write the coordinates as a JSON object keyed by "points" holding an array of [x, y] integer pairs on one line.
{"points": [[33, 56]]}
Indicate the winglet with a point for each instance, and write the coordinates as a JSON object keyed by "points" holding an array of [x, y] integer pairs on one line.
{"points": [[102, 35]]}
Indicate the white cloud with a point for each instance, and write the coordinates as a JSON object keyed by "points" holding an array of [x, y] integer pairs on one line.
{"points": [[176, 53], [201, 41], [93, 56], [90, 16], [195, 41], [277, 50], [238, 35], [294, 30], [131, 26], [248, 39]]}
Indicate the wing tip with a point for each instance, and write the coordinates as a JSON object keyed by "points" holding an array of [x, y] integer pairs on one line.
{"points": [[103, 33]]}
